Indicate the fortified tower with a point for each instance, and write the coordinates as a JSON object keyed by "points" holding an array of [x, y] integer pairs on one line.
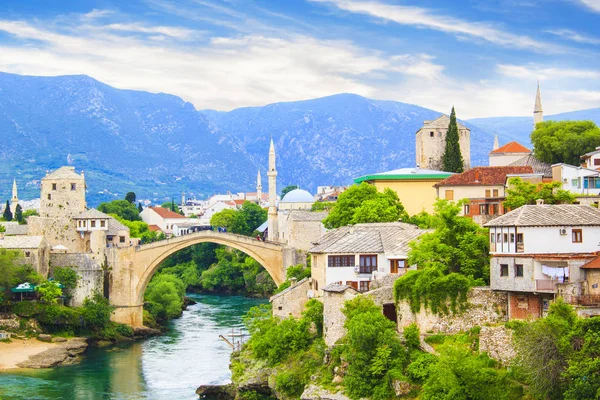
{"points": [[273, 224], [431, 143], [62, 194], [258, 188], [15, 199], [538, 113]]}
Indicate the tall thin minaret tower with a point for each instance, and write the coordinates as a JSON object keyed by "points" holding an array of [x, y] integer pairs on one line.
{"points": [[496, 143], [538, 113], [258, 188], [15, 198], [273, 224]]}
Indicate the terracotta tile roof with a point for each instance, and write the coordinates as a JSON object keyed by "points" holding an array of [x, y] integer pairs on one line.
{"points": [[164, 213], [239, 202], [154, 228], [484, 176], [511, 147], [549, 215], [594, 264]]}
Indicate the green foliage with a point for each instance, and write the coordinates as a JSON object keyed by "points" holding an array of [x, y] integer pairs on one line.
{"points": [[57, 318], [19, 214], [49, 292], [418, 369], [243, 221], [122, 208], [288, 189], [164, 297], [7, 214], [432, 289], [29, 213], [13, 273], [313, 314], [457, 244], [298, 272], [520, 193], [412, 336], [26, 309], [322, 205], [452, 160], [130, 197], [2, 229], [96, 311], [363, 203], [67, 276], [139, 207], [140, 229], [564, 141]]}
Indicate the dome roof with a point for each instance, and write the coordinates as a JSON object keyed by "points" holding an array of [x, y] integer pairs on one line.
{"points": [[298, 196]]}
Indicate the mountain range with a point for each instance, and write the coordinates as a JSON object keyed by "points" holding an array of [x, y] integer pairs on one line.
{"points": [[158, 145]]}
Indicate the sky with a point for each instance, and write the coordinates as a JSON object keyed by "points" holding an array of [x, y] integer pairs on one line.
{"points": [[482, 56]]}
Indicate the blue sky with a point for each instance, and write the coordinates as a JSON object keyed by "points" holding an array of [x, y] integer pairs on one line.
{"points": [[482, 56]]}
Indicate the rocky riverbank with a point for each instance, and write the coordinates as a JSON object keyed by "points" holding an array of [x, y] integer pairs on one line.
{"points": [[45, 353]]}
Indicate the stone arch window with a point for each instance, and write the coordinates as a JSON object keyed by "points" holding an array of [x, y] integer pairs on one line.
{"points": [[431, 134], [73, 186]]}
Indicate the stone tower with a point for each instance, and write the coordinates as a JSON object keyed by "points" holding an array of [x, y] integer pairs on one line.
{"points": [[273, 224], [62, 194], [258, 188], [431, 143], [538, 113], [15, 199]]}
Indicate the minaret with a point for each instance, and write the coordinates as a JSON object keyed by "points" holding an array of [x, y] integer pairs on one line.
{"points": [[273, 224], [182, 199], [496, 143], [15, 198], [538, 114], [258, 188]]}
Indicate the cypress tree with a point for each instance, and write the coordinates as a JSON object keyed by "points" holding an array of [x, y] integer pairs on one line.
{"points": [[452, 160], [7, 215], [19, 214], [140, 208]]}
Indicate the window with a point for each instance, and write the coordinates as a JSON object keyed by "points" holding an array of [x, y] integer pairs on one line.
{"points": [[518, 270], [102, 223], [519, 238], [483, 209], [575, 183], [449, 194], [54, 186], [364, 286], [495, 193], [353, 284], [503, 269], [492, 238], [512, 237], [499, 238], [395, 265], [577, 235], [494, 209], [431, 134], [92, 224], [467, 209], [49, 196], [121, 239], [505, 238], [488, 193], [597, 161], [591, 182], [368, 264], [73, 186], [340, 261], [27, 254]]}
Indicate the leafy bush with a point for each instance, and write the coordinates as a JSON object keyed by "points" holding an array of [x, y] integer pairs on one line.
{"points": [[96, 311], [418, 370], [26, 309], [67, 276], [49, 292], [412, 336], [164, 297], [59, 318]]}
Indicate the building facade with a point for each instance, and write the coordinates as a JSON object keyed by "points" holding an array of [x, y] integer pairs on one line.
{"points": [[431, 143]]}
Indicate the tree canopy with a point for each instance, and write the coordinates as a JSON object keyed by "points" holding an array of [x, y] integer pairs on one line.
{"points": [[520, 193], [243, 221], [288, 189], [7, 214], [452, 160], [130, 197], [363, 203], [564, 141], [123, 208]]}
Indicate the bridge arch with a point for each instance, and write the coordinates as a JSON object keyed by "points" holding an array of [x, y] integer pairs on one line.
{"points": [[132, 268]]}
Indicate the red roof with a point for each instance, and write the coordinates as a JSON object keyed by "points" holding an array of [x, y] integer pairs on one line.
{"points": [[484, 176], [239, 202], [154, 228], [163, 212], [594, 264], [511, 147]]}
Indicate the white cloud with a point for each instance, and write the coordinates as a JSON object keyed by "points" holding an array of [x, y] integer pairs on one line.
{"points": [[574, 36], [533, 72], [593, 5], [175, 32], [422, 17]]}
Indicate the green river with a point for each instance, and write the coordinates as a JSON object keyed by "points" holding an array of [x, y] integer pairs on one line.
{"points": [[166, 367]]}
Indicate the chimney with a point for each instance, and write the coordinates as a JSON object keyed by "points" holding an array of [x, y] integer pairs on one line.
{"points": [[476, 176], [539, 202], [293, 282]]}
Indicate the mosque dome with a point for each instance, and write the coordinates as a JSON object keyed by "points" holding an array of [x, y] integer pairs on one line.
{"points": [[298, 196]]}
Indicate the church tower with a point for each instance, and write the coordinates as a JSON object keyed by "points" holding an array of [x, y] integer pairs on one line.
{"points": [[273, 224], [538, 114], [15, 198], [258, 188]]}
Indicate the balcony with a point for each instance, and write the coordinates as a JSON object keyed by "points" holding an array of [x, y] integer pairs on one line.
{"points": [[545, 285]]}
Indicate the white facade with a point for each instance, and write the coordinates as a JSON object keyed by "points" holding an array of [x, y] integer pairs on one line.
{"points": [[166, 221], [214, 208], [359, 276], [577, 179]]}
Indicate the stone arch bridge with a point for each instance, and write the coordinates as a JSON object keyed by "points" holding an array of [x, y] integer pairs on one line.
{"points": [[131, 268]]}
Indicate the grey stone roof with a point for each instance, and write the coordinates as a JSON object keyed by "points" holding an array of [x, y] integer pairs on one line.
{"points": [[549, 215], [21, 242], [337, 288], [114, 227], [389, 238], [297, 215], [539, 167], [63, 173], [441, 122], [92, 213], [288, 289], [17, 229]]}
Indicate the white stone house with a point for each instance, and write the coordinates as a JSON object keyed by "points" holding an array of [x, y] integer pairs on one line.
{"points": [[577, 180], [34, 249], [356, 255], [537, 251], [591, 160], [163, 218], [216, 207]]}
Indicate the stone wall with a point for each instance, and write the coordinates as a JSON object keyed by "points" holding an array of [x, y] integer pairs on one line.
{"points": [[333, 318], [485, 307], [57, 231], [90, 272], [292, 300], [497, 342]]}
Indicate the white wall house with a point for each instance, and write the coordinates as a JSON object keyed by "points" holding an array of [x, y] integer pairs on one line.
{"points": [[215, 207], [163, 218], [591, 160], [577, 179], [356, 255], [537, 251]]}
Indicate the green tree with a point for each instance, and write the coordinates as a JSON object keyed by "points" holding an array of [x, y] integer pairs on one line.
{"points": [[322, 206], [520, 193], [140, 208], [564, 141], [19, 214], [452, 160], [363, 203], [96, 311], [130, 197], [67, 276], [164, 297], [49, 292], [231, 220], [122, 208], [288, 189], [7, 214], [29, 213], [253, 214]]}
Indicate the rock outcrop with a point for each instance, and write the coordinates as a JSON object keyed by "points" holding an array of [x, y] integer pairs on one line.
{"points": [[66, 353], [314, 392], [217, 392]]}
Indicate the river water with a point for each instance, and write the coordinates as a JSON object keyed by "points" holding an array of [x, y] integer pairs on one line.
{"points": [[166, 367]]}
